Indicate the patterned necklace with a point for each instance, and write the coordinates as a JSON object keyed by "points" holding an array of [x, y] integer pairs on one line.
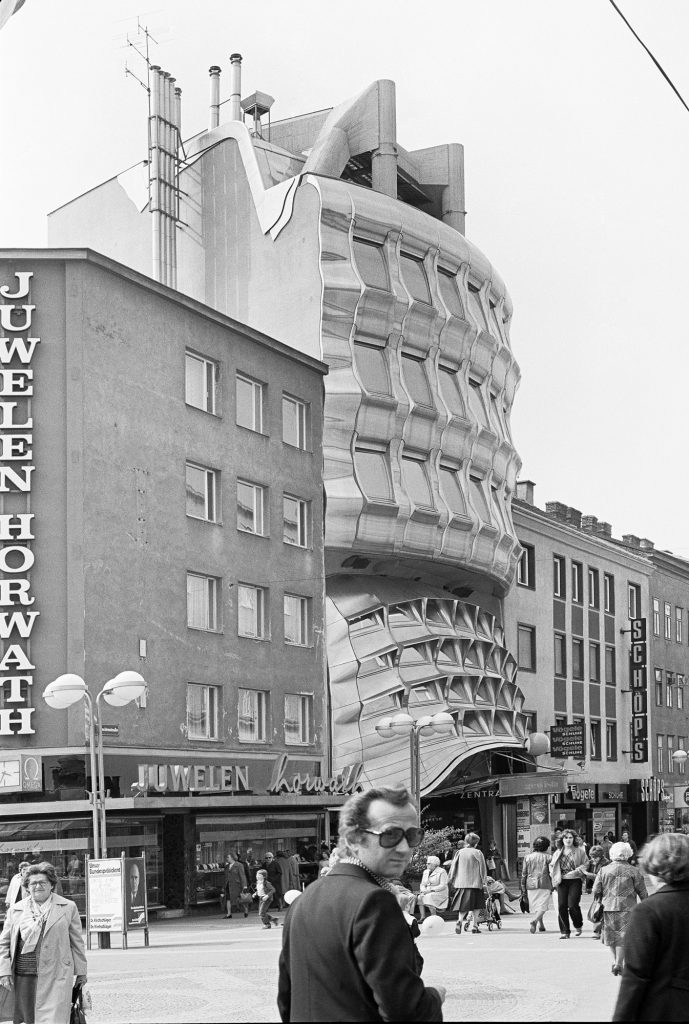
{"points": [[378, 879]]}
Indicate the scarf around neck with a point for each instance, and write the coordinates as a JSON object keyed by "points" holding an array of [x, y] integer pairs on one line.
{"points": [[31, 922]]}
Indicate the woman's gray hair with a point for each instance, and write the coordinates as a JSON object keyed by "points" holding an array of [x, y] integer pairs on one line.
{"points": [[472, 839], [354, 818], [432, 861], [44, 868], [620, 851], [667, 856]]}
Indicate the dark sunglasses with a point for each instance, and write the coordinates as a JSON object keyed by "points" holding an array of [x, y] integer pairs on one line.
{"points": [[393, 836]]}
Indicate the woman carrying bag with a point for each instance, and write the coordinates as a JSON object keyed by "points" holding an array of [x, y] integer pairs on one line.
{"points": [[567, 872], [536, 884], [617, 887]]}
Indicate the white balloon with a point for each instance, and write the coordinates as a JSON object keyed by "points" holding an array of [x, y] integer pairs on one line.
{"points": [[433, 925], [291, 895]]}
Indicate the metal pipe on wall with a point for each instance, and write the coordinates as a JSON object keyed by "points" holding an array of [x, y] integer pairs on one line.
{"points": [[214, 72], [155, 173], [235, 86]]}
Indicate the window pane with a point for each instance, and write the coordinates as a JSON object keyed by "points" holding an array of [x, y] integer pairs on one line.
{"points": [[252, 715], [451, 392], [372, 369], [294, 521], [450, 292], [249, 404], [475, 307], [525, 648], [416, 381], [250, 504], [202, 711], [293, 422], [416, 483], [372, 474], [370, 262], [296, 620], [415, 280], [199, 382], [298, 717], [250, 619], [201, 601], [451, 490], [477, 405], [479, 499]]}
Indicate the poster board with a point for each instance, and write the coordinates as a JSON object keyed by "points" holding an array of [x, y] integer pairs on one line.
{"points": [[116, 898]]}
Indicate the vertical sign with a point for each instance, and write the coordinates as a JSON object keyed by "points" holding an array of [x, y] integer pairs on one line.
{"points": [[638, 683]]}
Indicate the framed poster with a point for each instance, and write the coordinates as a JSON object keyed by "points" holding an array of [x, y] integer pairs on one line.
{"points": [[135, 902], [104, 904]]}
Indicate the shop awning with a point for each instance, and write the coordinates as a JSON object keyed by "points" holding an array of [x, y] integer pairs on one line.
{"points": [[523, 784]]}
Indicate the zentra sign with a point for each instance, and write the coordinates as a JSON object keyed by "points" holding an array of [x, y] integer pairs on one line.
{"points": [[638, 682], [16, 528]]}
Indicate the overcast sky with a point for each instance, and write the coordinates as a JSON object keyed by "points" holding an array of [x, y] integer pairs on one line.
{"points": [[577, 183]]}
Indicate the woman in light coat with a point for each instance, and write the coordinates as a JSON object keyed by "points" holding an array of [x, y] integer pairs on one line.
{"points": [[468, 874], [536, 883], [434, 889], [618, 886], [41, 950], [567, 871]]}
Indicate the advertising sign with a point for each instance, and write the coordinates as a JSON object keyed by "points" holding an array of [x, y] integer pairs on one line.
{"points": [[135, 902], [638, 686], [104, 895], [568, 740]]}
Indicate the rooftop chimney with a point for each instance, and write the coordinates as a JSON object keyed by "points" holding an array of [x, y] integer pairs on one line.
{"points": [[214, 72], [646, 544], [631, 540], [573, 517], [605, 530], [525, 491], [235, 86], [557, 510], [589, 524]]}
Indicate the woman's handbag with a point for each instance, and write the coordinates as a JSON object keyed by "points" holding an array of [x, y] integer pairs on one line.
{"points": [[524, 903], [595, 914], [77, 1015]]}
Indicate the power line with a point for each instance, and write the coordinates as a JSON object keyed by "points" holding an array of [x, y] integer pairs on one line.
{"points": [[657, 64]]}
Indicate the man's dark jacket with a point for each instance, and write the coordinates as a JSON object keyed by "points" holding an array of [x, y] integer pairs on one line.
{"points": [[348, 955], [655, 980]]}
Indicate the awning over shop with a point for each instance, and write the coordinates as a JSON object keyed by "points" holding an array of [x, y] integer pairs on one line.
{"points": [[523, 784]]}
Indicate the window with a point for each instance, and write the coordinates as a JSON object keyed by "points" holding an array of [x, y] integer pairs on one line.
{"points": [[200, 382], [298, 718], [414, 277], [372, 473], [202, 711], [594, 589], [451, 490], [451, 391], [609, 593], [577, 658], [680, 691], [202, 601], [610, 673], [594, 662], [656, 616], [526, 648], [560, 719], [449, 292], [477, 403], [611, 741], [679, 619], [372, 369], [634, 600], [475, 307], [296, 618], [595, 740], [526, 567], [370, 262], [416, 482], [295, 517], [531, 723], [416, 380], [294, 422], [660, 752], [251, 507], [251, 617], [202, 493], [669, 681], [478, 498], [253, 707], [560, 654], [249, 397], [682, 745], [559, 577], [658, 679], [668, 621], [577, 583], [670, 752]]}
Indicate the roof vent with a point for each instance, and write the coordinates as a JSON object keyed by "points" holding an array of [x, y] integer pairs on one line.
{"points": [[257, 106], [525, 491]]}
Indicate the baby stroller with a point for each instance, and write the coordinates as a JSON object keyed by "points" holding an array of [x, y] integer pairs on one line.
{"points": [[490, 915]]}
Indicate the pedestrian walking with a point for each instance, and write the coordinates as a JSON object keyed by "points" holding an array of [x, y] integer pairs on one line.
{"points": [[347, 951], [495, 862], [272, 867], [567, 872], [434, 889], [626, 838], [236, 880], [41, 951], [597, 860], [265, 891], [468, 874], [655, 979], [16, 890], [536, 883], [617, 886]]}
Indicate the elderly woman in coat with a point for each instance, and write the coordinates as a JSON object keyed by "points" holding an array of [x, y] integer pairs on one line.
{"points": [[41, 950], [655, 979], [468, 874], [434, 889], [618, 886]]}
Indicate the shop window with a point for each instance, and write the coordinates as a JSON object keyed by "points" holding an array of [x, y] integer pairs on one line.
{"points": [[609, 593], [594, 588], [526, 648], [611, 741], [200, 382], [595, 736], [295, 518], [250, 396], [252, 505], [203, 602], [560, 655], [295, 422], [577, 583], [634, 600], [252, 611], [253, 712], [370, 262], [297, 620], [559, 577], [577, 658], [202, 711], [610, 670], [298, 718], [202, 493], [526, 567]]}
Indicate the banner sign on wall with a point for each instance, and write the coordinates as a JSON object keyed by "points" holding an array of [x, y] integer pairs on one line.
{"points": [[638, 674]]}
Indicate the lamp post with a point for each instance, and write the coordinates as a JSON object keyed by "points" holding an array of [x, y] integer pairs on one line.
{"points": [[67, 690], [402, 724]]}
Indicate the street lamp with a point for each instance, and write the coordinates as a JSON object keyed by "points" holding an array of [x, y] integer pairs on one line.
{"points": [[402, 724], [67, 690]]}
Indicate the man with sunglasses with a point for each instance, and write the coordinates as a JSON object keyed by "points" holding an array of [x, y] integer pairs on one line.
{"points": [[347, 951]]}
